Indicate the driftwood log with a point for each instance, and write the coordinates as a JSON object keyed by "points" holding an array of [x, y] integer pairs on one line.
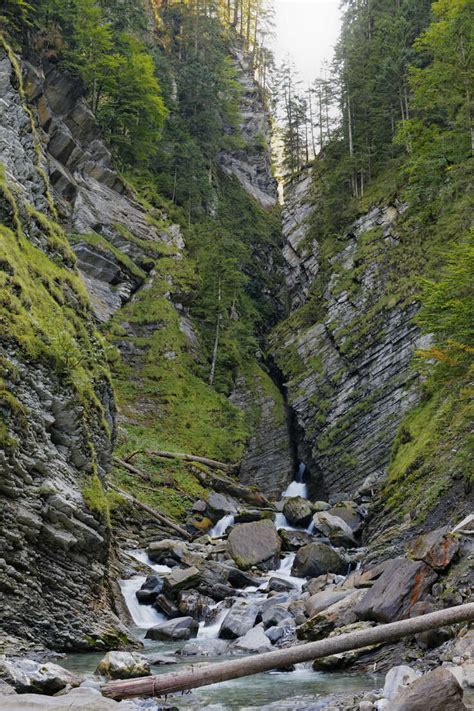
{"points": [[194, 677]]}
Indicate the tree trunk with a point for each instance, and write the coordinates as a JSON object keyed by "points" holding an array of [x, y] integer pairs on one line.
{"points": [[197, 676], [213, 463], [218, 330], [159, 517]]}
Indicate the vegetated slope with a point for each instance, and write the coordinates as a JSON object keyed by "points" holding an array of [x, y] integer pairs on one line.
{"points": [[370, 238], [160, 271], [57, 410]]}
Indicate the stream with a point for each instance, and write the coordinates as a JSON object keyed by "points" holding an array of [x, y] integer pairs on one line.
{"points": [[280, 690]]}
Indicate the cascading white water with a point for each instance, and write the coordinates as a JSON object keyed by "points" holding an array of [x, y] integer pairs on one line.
{"points": [[142, 557], [284, 571], [295, 488], [221, 526], [144, 616], [212, 631]]}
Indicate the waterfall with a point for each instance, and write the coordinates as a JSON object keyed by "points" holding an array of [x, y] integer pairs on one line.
{"points": [[221, 526], [297, 487], [144, 616]]}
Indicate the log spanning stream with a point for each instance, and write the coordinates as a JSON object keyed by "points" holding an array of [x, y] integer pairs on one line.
{"points": [[273, 689], [272, 685]]}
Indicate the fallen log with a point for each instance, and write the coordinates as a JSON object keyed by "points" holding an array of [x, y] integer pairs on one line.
{"points": [[229, 486], [194, 677], [159, 517], [213, 463]]}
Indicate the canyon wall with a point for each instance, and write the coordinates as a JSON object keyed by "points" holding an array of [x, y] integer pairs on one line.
{"points": [[346, 347]]}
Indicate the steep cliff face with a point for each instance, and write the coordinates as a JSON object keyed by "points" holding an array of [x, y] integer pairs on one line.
{"points": [[251, 164], [116, 241], [269, 459], [57, 410], [345, 349], [73, 226]]}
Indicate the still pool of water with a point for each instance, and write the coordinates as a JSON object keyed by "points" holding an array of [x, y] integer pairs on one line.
{"points": [[282, 691]]}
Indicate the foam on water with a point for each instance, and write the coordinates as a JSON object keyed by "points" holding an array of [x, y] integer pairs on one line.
{"points": [[212, 631], [142, 557], [281, 522], [296, 488]]}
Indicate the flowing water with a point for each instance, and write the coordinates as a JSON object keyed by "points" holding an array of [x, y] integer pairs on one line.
{"points": [[279, 690], [221, 526]]}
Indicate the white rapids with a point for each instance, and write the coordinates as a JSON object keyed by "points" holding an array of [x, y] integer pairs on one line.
{"points": [[144, 616], [221, 526], [297, 487]]}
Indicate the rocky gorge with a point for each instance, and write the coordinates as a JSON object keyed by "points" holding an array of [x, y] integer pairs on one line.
{"points": [[122, 558]]}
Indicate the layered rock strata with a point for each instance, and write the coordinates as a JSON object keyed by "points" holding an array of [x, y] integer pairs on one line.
{"points": [[346, 357], [56, 410]]}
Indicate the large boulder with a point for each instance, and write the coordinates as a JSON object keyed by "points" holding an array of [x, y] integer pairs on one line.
{"points": [[26, 675], [179, 628], [168, 548], [205, 648], [397, 678], [181, 579], [275, 615], [123, 665], [280, 585], [192, 604], [297, 511], [316, 559], [337, 530], [255, 640], [239, 620], [248, 515], [150, 590], [436, 549], [345, 659], [437, 691], [339, 614], [392, 597], [256, 543], [350, 513], [322, 600]]}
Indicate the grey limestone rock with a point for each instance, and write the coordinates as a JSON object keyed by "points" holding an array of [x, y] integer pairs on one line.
{"points": [[254, 543], [315, 559]]}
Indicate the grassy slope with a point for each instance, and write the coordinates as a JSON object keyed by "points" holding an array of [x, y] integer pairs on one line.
{"points": [[163, 396]]}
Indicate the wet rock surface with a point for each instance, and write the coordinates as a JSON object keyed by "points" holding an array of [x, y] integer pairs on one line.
{"points": [[438, 688], [357, 355], [123, 665], [49, 533], [26, 675]]}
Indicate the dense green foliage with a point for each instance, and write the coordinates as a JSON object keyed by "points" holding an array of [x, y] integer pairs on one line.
{"points": [[96, 42]]}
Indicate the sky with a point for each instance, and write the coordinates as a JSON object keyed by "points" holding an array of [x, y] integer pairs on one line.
{"points": [[307, 31]]}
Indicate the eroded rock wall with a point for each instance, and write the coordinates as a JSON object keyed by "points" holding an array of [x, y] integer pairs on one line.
{"points": [[251, 164], [346, 356], [57, 417]]}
